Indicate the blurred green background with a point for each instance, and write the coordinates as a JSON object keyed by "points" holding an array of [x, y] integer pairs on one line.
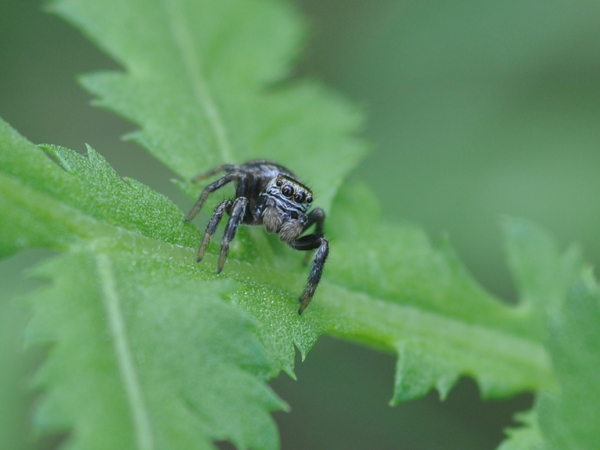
{"points": [[476, 109]]}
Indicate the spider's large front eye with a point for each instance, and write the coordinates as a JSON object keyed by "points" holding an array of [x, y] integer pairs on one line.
{"points": [[299, 197], [287, 190]]}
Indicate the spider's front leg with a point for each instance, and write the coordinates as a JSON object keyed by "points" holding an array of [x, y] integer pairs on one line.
{"points": [[228, 178], [211, 172], [237, 211], [225, 205], [306, 243]]}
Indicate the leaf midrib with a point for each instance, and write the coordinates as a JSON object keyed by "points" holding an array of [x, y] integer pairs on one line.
{"points": [[125, 361], [193, 73], [394, 322]]}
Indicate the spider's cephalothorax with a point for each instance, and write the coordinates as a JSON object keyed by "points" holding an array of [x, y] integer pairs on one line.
{"points": [[270, 195]]}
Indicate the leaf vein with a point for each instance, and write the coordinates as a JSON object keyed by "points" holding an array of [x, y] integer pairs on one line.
{"points": [[116, 322], [192, 66]]}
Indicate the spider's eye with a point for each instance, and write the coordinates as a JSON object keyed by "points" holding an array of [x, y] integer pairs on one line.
{"points": [[287, 190], [279, 182], [299, 197], [309, 199]]}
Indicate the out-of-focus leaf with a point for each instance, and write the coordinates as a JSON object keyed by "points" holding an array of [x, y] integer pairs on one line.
{"points": [[568, 417], [205, 82], [528, 437], [395, 290]]}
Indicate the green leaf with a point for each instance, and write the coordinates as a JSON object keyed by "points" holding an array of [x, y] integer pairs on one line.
{"points": [[527, 437], [147, 368], [144, 353], [542, 275], [568, 417], [398, 292], [87, 188], [206, 82]]}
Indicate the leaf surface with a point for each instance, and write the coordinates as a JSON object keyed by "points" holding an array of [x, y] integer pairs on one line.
{"points": [[146, 368], [527, 437], [401, 293], [568, 416], [144, 353]]}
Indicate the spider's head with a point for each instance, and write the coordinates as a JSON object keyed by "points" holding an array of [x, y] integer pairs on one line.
{"points": [[287, 202]]}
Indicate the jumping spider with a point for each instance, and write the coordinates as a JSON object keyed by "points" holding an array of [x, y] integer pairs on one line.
{"points": [[270, 195]]}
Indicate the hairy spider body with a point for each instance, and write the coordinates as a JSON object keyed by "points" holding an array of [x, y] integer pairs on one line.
{"points": [[270, 195]]}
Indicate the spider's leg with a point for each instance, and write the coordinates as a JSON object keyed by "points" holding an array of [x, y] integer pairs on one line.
{"points": [[306, 243], [316, 216], [238, 209], [210, 173], [228, 178], [212, 226]]}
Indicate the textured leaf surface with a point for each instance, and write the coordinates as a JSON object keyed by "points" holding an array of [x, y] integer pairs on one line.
{"points": [[146, 368], [143, 354], [87, 185]]}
